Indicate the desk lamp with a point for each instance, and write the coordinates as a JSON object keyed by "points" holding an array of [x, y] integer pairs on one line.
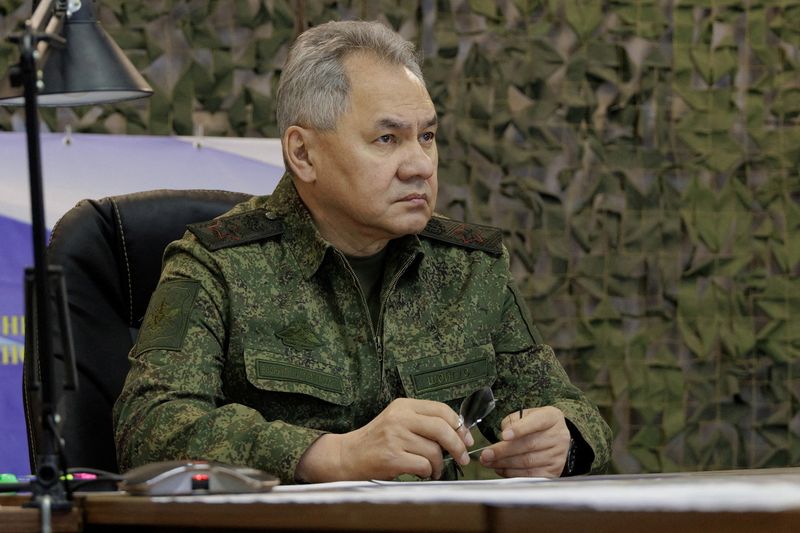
{"points": [[66, 59]]}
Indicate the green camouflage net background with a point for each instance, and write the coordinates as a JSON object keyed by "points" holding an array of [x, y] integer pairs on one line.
{"points": [[642, 157]]}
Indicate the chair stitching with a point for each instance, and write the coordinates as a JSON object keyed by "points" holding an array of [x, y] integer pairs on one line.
{"points": [[127, 265]]}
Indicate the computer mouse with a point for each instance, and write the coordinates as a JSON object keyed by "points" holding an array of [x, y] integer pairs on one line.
{"points": [[168, 478]]}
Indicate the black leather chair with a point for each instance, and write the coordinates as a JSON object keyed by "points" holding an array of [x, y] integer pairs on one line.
{"points": [[111, 251]]}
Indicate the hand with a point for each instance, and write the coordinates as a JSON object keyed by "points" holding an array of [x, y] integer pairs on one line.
{"points": [[535, 445], [405, 438]]}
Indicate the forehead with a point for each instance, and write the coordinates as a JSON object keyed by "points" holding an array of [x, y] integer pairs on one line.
{"points": [[379, 89]]}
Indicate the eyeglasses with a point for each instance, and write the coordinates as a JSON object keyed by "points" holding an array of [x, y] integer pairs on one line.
{"points": [[474, 408]]}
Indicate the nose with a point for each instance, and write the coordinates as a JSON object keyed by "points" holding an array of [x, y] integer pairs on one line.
{"points": [[418, 162]]}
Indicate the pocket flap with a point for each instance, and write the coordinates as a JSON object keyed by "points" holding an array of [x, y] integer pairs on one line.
{"points": [[299, 374], [449, 376]]}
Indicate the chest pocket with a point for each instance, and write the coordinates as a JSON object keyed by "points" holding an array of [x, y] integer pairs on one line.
{"points": [[293, 371], [449, 376]]}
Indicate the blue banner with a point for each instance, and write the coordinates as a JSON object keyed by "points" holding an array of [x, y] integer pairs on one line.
{"points": [[94, 166]]}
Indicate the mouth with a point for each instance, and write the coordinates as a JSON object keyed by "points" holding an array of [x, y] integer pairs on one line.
{"points": [[415, 198]]}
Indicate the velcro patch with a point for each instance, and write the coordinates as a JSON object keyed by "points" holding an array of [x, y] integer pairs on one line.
{"points": [[167, 317], [474, 236], [234, 230], [450, 375], [298, 374]]}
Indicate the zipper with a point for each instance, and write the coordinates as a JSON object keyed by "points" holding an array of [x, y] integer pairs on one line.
{"points": [[365, 307], [379, 328]]}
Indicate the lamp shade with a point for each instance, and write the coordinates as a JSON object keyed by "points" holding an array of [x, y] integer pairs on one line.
{"points": [[89, 69]]}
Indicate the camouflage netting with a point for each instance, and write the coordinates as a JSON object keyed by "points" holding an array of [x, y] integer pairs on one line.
{"points": [[642, 156]]}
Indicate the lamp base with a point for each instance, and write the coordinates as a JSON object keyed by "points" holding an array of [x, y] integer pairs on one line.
{"points": [[49, 492]]}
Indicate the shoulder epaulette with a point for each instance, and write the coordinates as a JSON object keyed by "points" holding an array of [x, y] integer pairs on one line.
{"points": [[234, 230], [475, 236]]}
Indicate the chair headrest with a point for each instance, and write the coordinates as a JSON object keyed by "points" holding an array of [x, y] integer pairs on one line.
{"points": [[118, 242]]}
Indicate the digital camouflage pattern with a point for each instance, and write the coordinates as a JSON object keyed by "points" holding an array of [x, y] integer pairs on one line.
{"points": [[276, 347]]}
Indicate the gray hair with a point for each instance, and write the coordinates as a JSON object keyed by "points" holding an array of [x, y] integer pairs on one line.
{"points": [[314, 90]]}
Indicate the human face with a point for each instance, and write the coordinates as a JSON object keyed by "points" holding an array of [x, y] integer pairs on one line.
{"points": [[375, 173]]}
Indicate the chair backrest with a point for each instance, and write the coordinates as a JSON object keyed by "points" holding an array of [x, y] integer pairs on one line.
{"points": [[111, 252]]}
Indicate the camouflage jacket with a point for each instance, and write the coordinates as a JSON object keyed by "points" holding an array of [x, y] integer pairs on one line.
{"points": [[258, 340]]}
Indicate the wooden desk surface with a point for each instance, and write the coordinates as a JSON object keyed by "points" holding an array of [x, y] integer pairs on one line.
{"points": [[117, 512], [16, 519], [139, 514], [123, 513]]}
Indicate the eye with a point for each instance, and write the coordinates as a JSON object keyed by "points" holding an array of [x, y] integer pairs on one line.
{"points": [[427, 137], [386, 139]]}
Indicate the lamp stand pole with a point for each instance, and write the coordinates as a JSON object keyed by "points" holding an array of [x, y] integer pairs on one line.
{"points": [[50, 490]]}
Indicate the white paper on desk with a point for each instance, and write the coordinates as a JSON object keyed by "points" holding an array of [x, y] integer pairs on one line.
{"points": [[472, 483], [316, 487], [707, 493]]}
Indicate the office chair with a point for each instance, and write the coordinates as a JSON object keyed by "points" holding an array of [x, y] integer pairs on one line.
{"points": [[110, 251]]}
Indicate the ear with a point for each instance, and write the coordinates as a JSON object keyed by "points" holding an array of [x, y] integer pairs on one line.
{"points": [[296, 148]]}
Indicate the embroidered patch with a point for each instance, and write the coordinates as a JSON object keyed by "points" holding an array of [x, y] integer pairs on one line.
{"points": [[450, 375], [234, 230], [297, 374], [299, 336], [475, 236], [167, 317]]}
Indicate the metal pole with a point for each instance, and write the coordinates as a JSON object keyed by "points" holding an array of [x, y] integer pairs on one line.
{"points": [[48, 482]]}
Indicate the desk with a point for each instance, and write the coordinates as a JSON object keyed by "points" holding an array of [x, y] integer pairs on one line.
{"points": [[480, 511], [107, 512], [16, 519]]}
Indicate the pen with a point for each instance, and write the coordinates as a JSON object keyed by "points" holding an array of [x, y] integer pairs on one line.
{"points": [[520, 413]]}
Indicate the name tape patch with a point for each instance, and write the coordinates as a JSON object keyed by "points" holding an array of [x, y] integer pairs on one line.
{"points": [[297, 374], [447, 376]]}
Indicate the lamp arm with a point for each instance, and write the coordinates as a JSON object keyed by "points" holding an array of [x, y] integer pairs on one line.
{"points": [[41, 15], [45, 24]]}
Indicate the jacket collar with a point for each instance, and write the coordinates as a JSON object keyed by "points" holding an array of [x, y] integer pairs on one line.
{"points": [[306, 244]]}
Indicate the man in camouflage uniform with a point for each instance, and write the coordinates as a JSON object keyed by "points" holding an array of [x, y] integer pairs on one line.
{"points": [[330, 330]]}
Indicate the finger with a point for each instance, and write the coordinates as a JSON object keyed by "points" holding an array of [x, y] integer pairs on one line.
{"points": [[431, 452], [505, 449], [411, 463], [533, 420], [435, 421], [439, 431], [413, 455], [440, 410], [432, 408], [554, 441], [528, 459], [466, 436]]}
